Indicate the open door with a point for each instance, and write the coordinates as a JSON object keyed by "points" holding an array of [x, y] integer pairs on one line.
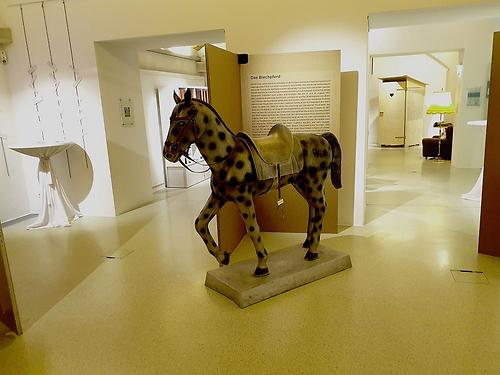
{"points": [[224, 90], [8, 308], [490, 204]]}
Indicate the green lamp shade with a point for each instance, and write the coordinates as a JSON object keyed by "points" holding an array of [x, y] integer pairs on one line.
{"points": [[440, 103]]}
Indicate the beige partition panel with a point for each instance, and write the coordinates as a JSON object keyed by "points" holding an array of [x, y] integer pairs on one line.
{"points": [[490, 205], [223, 74], [8, 307], [348, 125]]}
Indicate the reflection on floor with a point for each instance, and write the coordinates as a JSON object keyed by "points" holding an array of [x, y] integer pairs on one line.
{"points": [[398, 310]]}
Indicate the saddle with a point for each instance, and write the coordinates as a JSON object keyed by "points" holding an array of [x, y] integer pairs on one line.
{"points": [[279, 154]]}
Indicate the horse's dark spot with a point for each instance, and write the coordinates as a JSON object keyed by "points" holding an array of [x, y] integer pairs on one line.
{"points": [[259, 239], [248, 177], [316, 181], [322, 165], [203, 231], [229, 162], [260, 255], [210, 205], [239, 164], [290, 179], [222, 136], [241, 189], [317, 218], [313, 171], [320, 187], [251, 228], [229, 149], [309, 189], [222, 174], [210, 132], [218, 159], [205, 119], [323, 209], [175, 131], [239, 149], [313, 200], [212, 146], [304, 153], [320, 226], [245, 215], [324, 176], [240, 198], [314, 230], [303, 143], [233, 181], [214, 183], [206, 216], [320, 200], [222, 190], [248, 203], [253, 215]]}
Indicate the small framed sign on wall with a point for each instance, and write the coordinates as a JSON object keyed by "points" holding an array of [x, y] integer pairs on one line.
{"points": [[127, 112]]}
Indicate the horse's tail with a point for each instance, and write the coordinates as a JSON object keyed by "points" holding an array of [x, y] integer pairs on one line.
{"points": [[336, 165]]}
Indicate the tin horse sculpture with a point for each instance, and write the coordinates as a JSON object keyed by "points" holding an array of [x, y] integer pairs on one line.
{"points": [[243, 168]]}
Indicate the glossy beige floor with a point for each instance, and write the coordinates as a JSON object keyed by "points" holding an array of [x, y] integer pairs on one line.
{"points": [[399, 310]]}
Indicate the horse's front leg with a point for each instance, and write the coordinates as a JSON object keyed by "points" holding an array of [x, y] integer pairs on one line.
{"points": [[213, 205], [247, 211]]}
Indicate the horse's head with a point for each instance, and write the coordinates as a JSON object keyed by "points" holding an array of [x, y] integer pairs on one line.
{"points": [[185, 127]]}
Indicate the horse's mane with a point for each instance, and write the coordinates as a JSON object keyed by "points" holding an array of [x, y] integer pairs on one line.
{"points": [[214, 111]]}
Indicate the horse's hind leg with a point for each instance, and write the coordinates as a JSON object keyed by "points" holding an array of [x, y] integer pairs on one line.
{"points": [[247, 211], [301, 186]]}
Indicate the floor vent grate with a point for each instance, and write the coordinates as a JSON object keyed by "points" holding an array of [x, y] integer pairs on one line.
{"points": [[469, 276]]}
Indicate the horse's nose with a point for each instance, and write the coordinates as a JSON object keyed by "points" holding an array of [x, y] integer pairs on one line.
{"points": [[167, 154]]}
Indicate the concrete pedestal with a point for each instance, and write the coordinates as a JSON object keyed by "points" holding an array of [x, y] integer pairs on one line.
{"points": [[288, 270]]}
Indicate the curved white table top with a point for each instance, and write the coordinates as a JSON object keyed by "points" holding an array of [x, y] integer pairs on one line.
{"points": [[42, 150], [475, 193], [477, 123]]}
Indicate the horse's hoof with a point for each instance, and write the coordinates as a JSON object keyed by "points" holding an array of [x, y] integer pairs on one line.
{"points": [[306, 244], [259, 272], [227, 258], [311, 256]]}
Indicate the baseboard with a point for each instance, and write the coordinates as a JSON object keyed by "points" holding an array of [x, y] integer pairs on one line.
{"points": [[18, 219]]}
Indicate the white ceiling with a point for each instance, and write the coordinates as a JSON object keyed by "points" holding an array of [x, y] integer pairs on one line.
{"points": [[433, 15]]}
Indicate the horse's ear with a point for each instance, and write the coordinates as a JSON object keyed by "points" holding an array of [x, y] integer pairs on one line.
{"points": [[187, 96], [176, 98]]}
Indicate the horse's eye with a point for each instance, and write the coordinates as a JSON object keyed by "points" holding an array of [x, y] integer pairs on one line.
{"points": [[180, 123]]}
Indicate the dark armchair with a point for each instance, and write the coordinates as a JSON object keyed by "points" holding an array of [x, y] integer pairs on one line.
{"points": [[430, 146]]}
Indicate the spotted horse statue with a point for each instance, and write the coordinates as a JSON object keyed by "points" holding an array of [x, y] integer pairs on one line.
{"points": [[243, 167]]}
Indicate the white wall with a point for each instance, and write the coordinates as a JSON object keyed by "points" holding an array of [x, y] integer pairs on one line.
{"points": [[475, 38], [253, 27], [166, 83], [420, 67], [13, 196], [89, 188]]}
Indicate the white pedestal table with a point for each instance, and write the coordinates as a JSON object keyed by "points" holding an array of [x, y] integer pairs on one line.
{"points": [[56, 210], [475, 193]]}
